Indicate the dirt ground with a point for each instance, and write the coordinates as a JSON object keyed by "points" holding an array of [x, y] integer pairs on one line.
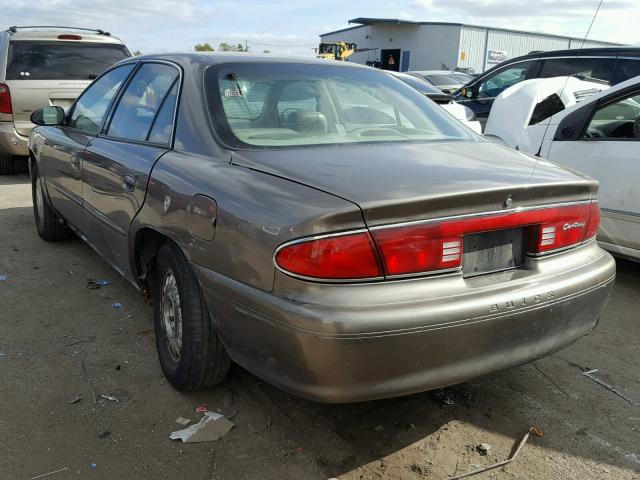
{"points": [[57, 337]]}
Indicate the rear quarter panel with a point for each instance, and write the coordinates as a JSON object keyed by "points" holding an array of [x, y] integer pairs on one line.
{"points": [[256, 213]]}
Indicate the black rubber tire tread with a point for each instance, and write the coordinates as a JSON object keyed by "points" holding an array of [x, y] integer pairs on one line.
{"points": [[52, 229], [6, 164], [203, 359]]}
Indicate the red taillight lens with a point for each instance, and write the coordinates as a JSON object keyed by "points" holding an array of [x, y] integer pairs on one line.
{"points": [[5, 99], [564, 227], [594, 221], [69, 36], [340, 257], [433, 246], [438, 245]]}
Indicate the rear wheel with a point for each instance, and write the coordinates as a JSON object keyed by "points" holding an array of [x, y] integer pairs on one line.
{"points": [[191, 354], [6, 164], [48, 223]]}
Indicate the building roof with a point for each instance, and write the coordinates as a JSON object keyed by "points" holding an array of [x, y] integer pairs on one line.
{"points": [[363, 21]]}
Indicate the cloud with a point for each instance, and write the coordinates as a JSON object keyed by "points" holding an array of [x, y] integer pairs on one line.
{"points": [[522, 8]]}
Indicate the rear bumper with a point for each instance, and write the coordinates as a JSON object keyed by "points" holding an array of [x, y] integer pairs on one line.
{"points": [[342, 349], [12, 142]]}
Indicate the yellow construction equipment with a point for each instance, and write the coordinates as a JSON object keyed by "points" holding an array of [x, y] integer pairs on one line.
{"points": [[339, 50]]}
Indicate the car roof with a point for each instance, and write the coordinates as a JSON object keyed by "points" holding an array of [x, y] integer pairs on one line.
{"points": [[573, 52], [221, 58], [52, 33]]}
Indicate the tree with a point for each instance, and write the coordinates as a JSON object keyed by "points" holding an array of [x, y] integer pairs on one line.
{"points": [[203, 47], [225, 47], [137, 53]]}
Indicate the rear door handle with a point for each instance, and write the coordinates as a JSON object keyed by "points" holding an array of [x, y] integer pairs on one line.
{"points": [[128, 183]]}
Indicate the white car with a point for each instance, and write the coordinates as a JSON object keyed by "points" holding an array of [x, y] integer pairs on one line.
{"points": [[446, 101], [600, 136]]}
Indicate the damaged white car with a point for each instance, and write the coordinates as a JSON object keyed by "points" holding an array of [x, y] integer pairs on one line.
{"points": [[590, 128]]}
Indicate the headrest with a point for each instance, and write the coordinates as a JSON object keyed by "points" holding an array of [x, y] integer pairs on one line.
{"points": [[307, 122]]}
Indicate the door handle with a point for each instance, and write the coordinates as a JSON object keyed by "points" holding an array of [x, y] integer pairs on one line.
{"points": [[128, 183], [75, 162]]}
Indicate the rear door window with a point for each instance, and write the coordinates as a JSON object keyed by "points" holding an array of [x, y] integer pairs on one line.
{"points": [[625, 69], [61, 60], [557, 67], [594, 69], [141, 101]]}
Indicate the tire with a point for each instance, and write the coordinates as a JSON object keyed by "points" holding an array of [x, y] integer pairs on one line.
{"points": [[6, 164], [49, 225], [191, 354]]}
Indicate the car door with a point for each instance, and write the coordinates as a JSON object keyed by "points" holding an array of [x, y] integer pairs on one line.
{"points": [[117, 163], [62, 153], [609, 151], [485, 90]]}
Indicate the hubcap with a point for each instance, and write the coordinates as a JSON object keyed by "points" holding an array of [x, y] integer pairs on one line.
{"points": [[39, 201], [171, 320]]}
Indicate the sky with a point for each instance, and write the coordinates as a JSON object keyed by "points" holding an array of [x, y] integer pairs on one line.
{"points": [[293, 26]]}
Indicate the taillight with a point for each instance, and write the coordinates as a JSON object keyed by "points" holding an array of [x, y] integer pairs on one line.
{"points": [[69, 36], [5, 99], [437, 245], [340, 257], [564, 227], [432, 246]]}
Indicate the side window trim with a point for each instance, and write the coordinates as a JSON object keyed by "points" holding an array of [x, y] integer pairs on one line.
{"points": [[116, 96], [114, 105]]}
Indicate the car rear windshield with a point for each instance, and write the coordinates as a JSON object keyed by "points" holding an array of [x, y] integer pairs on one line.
{"points": [[31, 60], [441, 79], [290, 104]]}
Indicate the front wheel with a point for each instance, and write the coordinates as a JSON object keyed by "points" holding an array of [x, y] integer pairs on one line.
{"points": [[48, 223], [191, 354]]}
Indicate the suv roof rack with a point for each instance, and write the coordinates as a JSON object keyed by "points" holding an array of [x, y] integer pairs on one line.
{"points": [[14, 29]]}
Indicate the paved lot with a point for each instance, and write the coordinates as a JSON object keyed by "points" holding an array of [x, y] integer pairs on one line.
{"points": [[57, 337]]}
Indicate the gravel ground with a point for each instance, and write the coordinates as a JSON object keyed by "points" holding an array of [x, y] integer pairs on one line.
{"points": [[59, 340]]}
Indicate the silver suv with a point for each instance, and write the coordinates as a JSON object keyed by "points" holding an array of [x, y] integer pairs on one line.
{"points": [[42, 66]]}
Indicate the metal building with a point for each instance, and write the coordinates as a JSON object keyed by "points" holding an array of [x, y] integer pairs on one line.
{"points": [[407, 45]]}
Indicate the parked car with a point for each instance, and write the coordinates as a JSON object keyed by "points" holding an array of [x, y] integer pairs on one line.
{"points": [[518, 115], [445, 100], [321, 224], [609, 65], [445, 80], [42, 66], [598, 135]]}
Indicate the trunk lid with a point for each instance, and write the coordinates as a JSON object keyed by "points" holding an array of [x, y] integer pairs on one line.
{"points": [[403, 182], [29, 95]]}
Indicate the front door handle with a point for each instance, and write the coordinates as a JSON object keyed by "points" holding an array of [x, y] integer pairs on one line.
{"points": [[128, 183]]}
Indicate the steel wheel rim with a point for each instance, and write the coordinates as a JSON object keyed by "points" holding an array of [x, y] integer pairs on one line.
{"points": [[171, 315], [39, 202]]}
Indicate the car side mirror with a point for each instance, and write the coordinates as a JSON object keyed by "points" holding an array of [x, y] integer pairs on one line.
{"points": [[48, 116], [468, 92]]}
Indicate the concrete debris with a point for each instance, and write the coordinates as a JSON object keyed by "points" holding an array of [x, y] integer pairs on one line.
{"points": [[532, 431]]}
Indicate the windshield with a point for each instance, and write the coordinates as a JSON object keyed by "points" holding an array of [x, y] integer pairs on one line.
{"points": [[30, 60], [288, 104]]}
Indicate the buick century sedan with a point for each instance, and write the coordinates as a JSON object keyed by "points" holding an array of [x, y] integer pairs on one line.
{"points": [[321, 224]]}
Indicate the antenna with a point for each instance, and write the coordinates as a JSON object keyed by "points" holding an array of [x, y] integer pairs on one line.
{"points": [[567, 79]]}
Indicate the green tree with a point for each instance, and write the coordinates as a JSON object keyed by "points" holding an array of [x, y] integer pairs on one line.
{"points": [[225, 47], [203, 47], [137, 53]]}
